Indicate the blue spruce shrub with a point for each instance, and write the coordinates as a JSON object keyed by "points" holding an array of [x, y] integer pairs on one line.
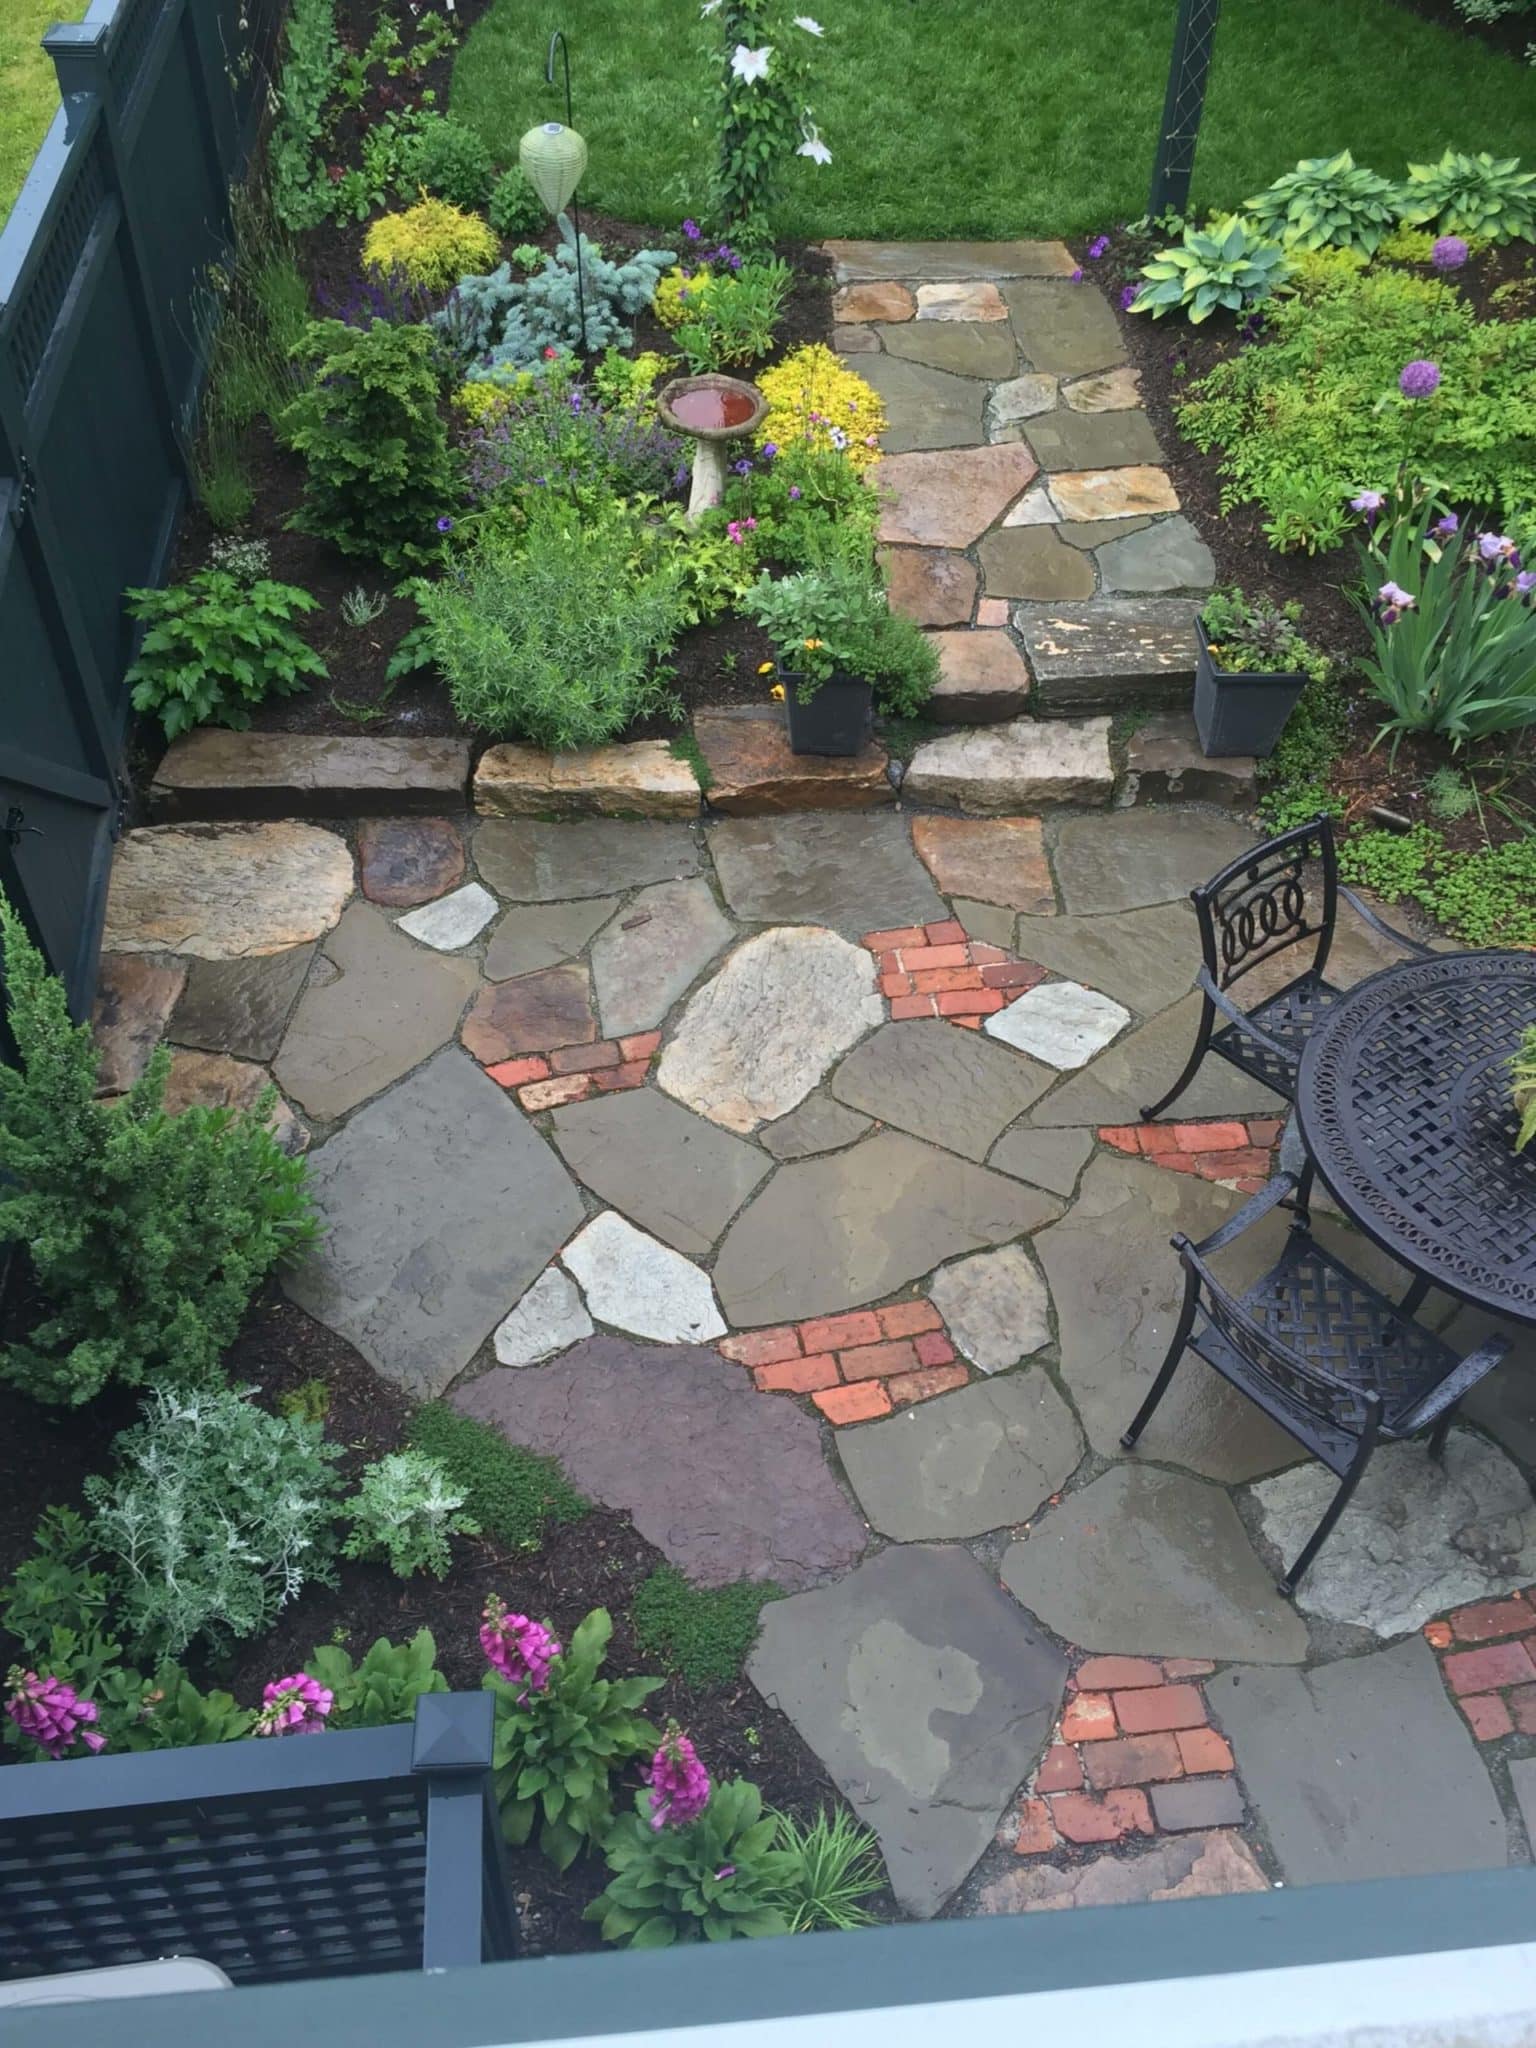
{"points": [[545, 312]]}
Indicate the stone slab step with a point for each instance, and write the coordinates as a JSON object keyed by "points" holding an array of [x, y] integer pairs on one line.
{"points": [[640, 779], [993, 771], [1164, 764], [1106, 653], [219, 775], [942, 262], [753, 773], [982, 677]]}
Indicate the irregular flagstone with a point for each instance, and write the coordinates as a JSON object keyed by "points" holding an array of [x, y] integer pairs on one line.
{"points": [[189, 889], [1047, 1159], [758, 1038], [240, 1006], [1018, 399], [989, 923], [934, 586], [673, 1173], [1361, 1768], [1031, 561], [654, 948], [725, 1484], [854, 339], [754, 773], [1419, 1537], [969, 348], [1165, 763], [1010, 767], [219, 774], [818, 1125], [1143, 1562], [948, 1086], [926, 1696], [1139, 1067], [550, 1317], [534, 1013], [1108, 651], [1105, 391], [378, 1011], [531, 860], [1502, 1402], [853, 261], [1168, 556], [452, 921], [405, 861], [961, 299], [1060, 1022], [639, 779], [925, 408], [539, 935], [947, 499], [641, 1286], [994, 860], [982, 677], [1064, 327], [1145, 959], [1117, 1286], [873, 301], [1093, 440], [997, 1311], [1210, 1865], [429, 1238], [135, 997], [1033, 509], [1130, 859], [983, 1458], [1522, 1781], [212, 1080], [856, 874], [852, 1227], [1092, 533], [1119, 493]]}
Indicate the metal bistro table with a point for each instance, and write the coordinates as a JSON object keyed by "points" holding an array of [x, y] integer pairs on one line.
{"points": [[1403, 1105]]}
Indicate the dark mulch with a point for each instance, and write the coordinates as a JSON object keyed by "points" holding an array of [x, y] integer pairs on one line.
{"points": [[1510, 33]]}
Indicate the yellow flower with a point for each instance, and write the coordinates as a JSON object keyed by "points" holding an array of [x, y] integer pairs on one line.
{"points": [[765, 668], [810, 643], [777, 693]]}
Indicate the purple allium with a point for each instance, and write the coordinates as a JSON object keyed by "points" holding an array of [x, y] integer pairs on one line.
{"points": [[679, 1782], [1128, 295], [1448, 527], [1368, 502], [1419, 379], [51, 1713], [519, 1650], [1077, 275], [296, 1705], [1449, 253], [445, 524], [794, 491], [1097, 247]]}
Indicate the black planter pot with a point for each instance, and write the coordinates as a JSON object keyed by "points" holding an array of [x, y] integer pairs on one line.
{"points": [[1236, 713], [838, 719]]}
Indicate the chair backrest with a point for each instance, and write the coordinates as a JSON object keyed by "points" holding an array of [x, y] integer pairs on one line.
{"points": [[1266, 900], [1298, 1382]]}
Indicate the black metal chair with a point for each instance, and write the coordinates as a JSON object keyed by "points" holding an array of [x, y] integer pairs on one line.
{"points": [[1259, 905], [1325, 1356]]}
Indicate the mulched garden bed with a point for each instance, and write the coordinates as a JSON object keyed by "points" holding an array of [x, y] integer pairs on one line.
{"points": [[1510, 33]]}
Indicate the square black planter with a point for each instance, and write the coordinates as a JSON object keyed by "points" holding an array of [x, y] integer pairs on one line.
{"points": [[1238, 713], [839, 718]]}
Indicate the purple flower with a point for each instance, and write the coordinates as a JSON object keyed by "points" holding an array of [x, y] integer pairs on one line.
{"points": [[1077, 275], [1127, 297], [769, 450], [1392, 601], [794, 490], [1419, 379], [1368, 502], [51, 1713], [296, 1705], [1525, 583], [445, 524], [519, 1650], [744, 467], [1449, 253], [679, 1782], [1097, 247], [691, 230], [1448, 527], [1497, 547]]}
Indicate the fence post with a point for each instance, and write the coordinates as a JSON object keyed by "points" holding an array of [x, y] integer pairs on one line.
{"points": [[452, 1746], [79, 53], [1193, 41]]}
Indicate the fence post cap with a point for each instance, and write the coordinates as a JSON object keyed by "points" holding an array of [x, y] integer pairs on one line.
{"points": [[77, 36], [455, 1731]]}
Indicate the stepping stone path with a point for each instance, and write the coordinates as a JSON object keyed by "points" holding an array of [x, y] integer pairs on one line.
{"points": [[405, 861], [640, 1285], [452, 921], [135, 996], [187, 889]]}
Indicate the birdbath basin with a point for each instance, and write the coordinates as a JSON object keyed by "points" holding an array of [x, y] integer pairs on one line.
{"points": [[712, 411]]}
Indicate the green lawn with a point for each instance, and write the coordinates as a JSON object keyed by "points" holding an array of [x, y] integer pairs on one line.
{"points": [[1002, 117], [29, 99]]}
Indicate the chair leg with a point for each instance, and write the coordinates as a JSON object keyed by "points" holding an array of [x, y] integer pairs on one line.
{"points": [[1166, 1370], [1414, 1298], [1202, 1044], [1325, 1527], [1441, 1431]]}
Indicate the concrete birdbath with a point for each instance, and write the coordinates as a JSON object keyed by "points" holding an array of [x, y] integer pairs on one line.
{"points": [[712, 411]]}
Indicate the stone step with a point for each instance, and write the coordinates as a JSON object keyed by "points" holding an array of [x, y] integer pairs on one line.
{"points": [[753, 774], [640, 779], [212, 775], [1164, 764], [1109, 653], [1001, 769]]}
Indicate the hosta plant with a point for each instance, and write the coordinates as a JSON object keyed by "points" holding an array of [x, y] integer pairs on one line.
{"points": [[1227, 266], [715, 1879], [1327, 202], [404, 1511], [1471, 195], [384, 1686]]}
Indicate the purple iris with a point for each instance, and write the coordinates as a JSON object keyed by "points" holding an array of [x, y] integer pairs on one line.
{"points": [[1448, 527]]}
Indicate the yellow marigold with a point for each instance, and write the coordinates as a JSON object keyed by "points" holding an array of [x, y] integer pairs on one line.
{"points": [[678, 296], [813, 397], [433, 244]]}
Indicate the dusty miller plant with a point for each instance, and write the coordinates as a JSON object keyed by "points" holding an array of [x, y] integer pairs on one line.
{"points": [[404, 1511]]}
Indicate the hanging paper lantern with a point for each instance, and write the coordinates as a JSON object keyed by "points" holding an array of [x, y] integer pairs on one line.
{"points": [[553, 158]]}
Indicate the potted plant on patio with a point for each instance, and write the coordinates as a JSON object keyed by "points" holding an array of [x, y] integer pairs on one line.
{"points": [[840, 647], [1253, 665]]}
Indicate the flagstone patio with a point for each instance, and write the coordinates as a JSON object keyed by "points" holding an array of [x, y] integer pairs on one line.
{"points": [[784, 1176]]}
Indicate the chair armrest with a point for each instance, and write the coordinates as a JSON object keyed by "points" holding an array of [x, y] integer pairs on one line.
{"points": [[1379, 924], [1460, 1380], [1205, 981], [1269, 1196]]}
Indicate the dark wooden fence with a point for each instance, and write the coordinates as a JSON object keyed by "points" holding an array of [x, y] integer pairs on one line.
{"points": [[103, 330]]}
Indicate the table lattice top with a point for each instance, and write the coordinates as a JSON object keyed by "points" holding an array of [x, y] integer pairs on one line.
{"points": [[1403, 1099]]}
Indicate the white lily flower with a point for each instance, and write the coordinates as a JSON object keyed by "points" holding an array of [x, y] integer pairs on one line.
{"points": [[710, 7], [816, 150], [812, 28], [750, 65]]}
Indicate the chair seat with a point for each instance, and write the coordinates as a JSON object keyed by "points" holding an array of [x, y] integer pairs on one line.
{"points": [[1291, 1015], [1334, 1321]]}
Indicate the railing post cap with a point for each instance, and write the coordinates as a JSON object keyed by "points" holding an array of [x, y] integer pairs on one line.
{"points": [[77, 38], [455, 1731]]}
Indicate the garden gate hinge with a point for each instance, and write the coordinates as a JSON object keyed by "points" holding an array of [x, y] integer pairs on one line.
{"points": [[16, 828]]}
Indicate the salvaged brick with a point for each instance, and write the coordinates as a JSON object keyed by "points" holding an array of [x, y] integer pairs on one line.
{"points": [[878, 1361], [1487, 1620], [1169, 1706], [1061, 1771], [581, 1059], [1089, 1717], [1082, 1818], [839, 1333], [761, 1347], [909, 1318], [1202, 1750], [1132, 1760], [1110, 1674], [1033, 1832], [1485, 1670], [907, 1387], [554, 1093], [854, 1404], [797, 1375], [1487, 1716]]}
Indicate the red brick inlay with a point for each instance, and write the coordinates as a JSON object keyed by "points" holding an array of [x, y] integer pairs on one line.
{"points": [[854, 1366], [934, 970], [1488, 1659], [573, 1072], [1239, 1155]]}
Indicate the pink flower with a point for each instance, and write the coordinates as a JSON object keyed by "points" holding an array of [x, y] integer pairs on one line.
{"points": [[679, 1782], [51, 1713], [296, 1705], [520, 1650]]}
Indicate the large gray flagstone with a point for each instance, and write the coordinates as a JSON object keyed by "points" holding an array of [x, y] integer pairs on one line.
{"points": [[675, 1174], [927, 408], [1122, 860], [1140, 1067], [953, 1087], [818, 1125], [967, 348], [855, 873], [1048, 1159], [1117, 1284], [836, 1232], [1063, 327], [533, 860], [1362, 1768], [983, 1458], [1419, 1537], [1092, 440], [926, 1695], [539, 935], [440, 1205], [995, 1306], [240, 1006], [1168, 556], [654, 949], [1148, 1563], [1145, 959]]}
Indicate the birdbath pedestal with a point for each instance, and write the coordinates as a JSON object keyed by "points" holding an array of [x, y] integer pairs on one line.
{"points": [[712, 411]]}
